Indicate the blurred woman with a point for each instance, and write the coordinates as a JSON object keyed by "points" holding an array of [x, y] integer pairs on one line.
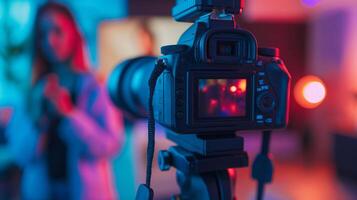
{"points": [[75, 131]]}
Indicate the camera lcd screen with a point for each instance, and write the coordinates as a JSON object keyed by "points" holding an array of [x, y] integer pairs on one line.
{"points": [[222, 98]]}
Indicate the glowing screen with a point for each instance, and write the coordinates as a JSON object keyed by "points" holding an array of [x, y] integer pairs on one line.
{"points": [[222, 97]]}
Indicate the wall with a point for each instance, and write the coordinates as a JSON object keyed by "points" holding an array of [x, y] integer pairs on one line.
{"points": [[333, 57]]}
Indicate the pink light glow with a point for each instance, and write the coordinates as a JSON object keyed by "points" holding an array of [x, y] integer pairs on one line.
{"points": [[314, 92], [310, 92]]}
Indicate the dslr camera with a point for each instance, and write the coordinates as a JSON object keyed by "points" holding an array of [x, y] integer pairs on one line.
{"points": [[215, 78], [213, 82]]}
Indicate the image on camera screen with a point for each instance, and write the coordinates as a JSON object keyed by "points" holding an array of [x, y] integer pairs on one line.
{"points": [[222, 97]]}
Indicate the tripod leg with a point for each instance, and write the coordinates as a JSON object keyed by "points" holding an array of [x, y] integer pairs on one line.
{"points": [[206, 186], [196, 187], [224, 185]]}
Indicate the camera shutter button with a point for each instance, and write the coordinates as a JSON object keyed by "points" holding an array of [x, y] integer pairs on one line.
{"points": [[269, 51]]}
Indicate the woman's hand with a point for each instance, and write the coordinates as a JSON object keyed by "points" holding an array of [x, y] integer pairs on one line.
{"points": [[58, 96], [5, 116]]}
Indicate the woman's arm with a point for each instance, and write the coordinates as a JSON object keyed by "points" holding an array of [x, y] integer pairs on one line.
{"points": [[94, 125]]}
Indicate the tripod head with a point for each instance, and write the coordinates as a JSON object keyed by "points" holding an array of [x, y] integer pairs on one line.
{"points": [[191, 10]]}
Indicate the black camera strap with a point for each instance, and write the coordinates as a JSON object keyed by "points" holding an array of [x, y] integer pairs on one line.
{"points": [[145, 192], [263, 169]]}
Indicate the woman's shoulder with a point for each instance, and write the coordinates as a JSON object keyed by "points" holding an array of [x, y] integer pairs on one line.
{"points": [[90, 91]]}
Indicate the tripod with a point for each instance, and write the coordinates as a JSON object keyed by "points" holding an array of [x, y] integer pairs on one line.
{"points": [[202, 163]]}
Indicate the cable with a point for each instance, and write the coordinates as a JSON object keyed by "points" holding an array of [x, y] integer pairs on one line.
{"points": [[266, 142], [263, 166]]}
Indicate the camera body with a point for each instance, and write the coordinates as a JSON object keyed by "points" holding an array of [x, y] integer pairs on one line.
{"points": [[216, 81]]}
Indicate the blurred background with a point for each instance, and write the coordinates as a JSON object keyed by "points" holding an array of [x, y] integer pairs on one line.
{"points": [[315, 158]]}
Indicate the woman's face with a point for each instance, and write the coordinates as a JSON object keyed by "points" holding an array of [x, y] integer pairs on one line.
{"points": [[57, 37]]}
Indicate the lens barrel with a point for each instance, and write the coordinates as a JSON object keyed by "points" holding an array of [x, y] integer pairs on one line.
{"points": [[128, 85]]}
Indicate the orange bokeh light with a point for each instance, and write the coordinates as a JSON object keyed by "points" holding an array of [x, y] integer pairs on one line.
{"points": [[309, 92], [242, 85]]}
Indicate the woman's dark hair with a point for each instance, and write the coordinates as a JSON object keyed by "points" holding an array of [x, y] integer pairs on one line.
{"points": [[41, 64]]}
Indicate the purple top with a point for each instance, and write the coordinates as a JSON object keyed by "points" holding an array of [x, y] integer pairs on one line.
{"points": [[93, 134]]}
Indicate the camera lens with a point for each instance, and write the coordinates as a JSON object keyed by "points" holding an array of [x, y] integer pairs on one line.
{"points": [[128, 85], [266, 102]]}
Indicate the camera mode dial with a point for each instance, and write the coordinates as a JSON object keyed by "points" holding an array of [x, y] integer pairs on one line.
{"points": [[266, 102]]}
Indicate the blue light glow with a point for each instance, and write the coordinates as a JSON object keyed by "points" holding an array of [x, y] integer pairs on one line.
{"points": [[1, 10], [20, 12]]}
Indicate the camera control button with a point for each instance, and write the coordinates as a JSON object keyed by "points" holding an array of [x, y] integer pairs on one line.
{"points": [[268, 120], [266, 102], [260, 63], [261, 73], [265, 87], [259, 117]]}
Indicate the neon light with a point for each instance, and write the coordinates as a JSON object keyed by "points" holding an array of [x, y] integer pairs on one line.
{"points": [[309, 92], [314, 92]]}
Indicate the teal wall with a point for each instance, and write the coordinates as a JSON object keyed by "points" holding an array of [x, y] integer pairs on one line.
{"points": [[16, 19]]}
